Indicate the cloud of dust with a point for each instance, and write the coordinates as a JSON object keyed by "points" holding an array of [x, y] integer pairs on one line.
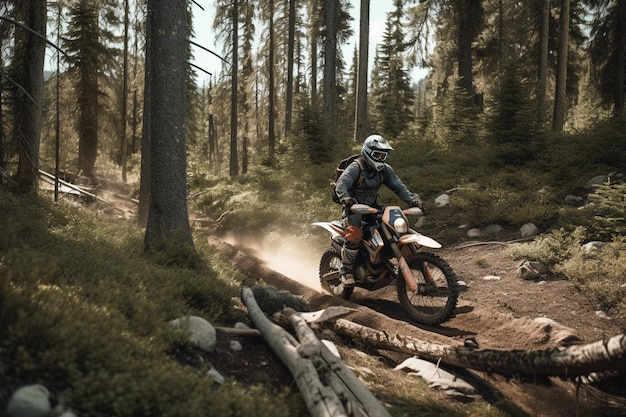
{"points": [[292, 256]]}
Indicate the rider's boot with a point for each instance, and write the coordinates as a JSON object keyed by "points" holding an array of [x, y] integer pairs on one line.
{"points": [[348, 260]]}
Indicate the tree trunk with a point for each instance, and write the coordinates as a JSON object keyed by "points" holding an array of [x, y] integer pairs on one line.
{"points": [[544, 35], [88, 92], [168, 221], [146, 169], [290, 63], [560, 95], [234, 159], [271, 111], [360, 128], [464, 47], [28, 113], [621, 58], [2, 161], [124, 142], [567, 362], [330, 64]]}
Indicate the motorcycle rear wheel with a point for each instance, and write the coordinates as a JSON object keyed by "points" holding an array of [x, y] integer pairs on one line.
{"points": [[330, 264], [435, 301]]}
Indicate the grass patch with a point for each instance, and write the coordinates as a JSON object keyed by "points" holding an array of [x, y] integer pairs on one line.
{"points": [[84, 312]]}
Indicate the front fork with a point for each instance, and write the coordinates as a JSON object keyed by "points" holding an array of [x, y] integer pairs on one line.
{"points": [[405, 269]]}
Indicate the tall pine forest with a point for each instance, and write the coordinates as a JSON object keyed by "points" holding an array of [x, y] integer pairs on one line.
{"points": [[534, 85]]}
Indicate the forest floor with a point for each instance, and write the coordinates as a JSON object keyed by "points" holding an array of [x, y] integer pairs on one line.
{"points": [[498, 314]]}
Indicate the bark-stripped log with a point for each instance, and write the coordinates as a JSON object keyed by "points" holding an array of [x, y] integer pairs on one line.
{"points": [[334, 373], [572, 361], [320, 400]]}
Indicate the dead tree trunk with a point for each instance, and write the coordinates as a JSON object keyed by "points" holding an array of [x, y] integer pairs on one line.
{"points": [[604, 355]]}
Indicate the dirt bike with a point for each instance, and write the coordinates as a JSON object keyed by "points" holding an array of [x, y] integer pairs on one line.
{"points": [[391, 251]]}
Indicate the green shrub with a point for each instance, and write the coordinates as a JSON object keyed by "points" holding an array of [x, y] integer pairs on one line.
{"points": [[602, 276], [551, 248]]}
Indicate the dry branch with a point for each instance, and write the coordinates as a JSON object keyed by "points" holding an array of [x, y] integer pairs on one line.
{"points": [[604, 355]]}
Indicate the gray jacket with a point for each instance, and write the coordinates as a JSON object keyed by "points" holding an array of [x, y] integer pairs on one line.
{"points": [[367, 191]]}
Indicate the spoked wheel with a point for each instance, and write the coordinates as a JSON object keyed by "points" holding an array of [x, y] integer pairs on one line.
{"points": [[437, 292], [330, 264]]}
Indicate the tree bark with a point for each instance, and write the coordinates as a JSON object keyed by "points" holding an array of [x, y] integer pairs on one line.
{"points": [[560, 95], [330, 64], [360, 128], [290, 63], [271, 111], [29, 109], [543, 57], [168, 220], [567, 362], [234, 158]]}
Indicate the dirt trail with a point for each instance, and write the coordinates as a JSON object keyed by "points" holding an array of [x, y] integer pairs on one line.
{"points": [[499, 314]]}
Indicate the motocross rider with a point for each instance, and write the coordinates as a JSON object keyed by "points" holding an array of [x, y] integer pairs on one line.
{"points": [[354, 186]]}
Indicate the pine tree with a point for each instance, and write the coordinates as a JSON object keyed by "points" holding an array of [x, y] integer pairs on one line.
{"points": [[87, 44], [392, 94]]}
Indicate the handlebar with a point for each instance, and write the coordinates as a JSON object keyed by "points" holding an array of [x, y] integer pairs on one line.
{"points": [[364, 209]]}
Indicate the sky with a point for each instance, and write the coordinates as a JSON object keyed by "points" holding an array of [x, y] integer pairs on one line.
{"points": [[203, 21]]}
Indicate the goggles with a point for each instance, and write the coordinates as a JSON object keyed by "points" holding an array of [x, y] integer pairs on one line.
{"points": [[379, 156]]}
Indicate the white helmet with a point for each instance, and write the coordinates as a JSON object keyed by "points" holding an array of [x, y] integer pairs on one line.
{"points": [[375, 150]]}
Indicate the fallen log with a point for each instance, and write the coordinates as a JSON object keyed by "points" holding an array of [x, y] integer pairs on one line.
{"points": [[572, 361], [320, 400], [332, 371]]}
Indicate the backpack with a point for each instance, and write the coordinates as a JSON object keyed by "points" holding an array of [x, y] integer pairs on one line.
{"points": [[341, 166]]}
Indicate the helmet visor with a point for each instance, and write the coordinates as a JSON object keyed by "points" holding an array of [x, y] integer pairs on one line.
{"points": [[379, 156]]}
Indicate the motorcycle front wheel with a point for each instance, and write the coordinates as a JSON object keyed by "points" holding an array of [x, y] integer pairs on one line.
{"points": [[437, 293], [330, 264]]}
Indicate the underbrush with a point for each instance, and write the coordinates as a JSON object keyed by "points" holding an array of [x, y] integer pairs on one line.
{"points": [[598, 273], [83, 312]]}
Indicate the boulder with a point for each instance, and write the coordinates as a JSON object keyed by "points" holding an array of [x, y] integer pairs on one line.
{"points": [[30, 401], [442, 200], [529, 230], [200, 331], [533, 271]]}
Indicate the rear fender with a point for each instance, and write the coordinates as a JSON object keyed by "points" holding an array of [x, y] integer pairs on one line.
{"points": [[333, 228]]}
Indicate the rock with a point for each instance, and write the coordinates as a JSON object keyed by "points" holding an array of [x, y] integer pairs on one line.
{"points": [[217, 377], [442, 200], [438, 378], [30, 401], [529, 230], [563, 335], [597, 180], [602, 315], [461, 285], [474, 233], [593, 246], [241, 326], [235, 346], [493, 229], [532, 271], [201, 332], [491, 278], [574, 200]]}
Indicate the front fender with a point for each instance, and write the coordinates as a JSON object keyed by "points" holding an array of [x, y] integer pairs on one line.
{"points": [[418, 239]]}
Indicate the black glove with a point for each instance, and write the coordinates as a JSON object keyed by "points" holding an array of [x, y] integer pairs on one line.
{"points": [[416, 201], [348, 201]]}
